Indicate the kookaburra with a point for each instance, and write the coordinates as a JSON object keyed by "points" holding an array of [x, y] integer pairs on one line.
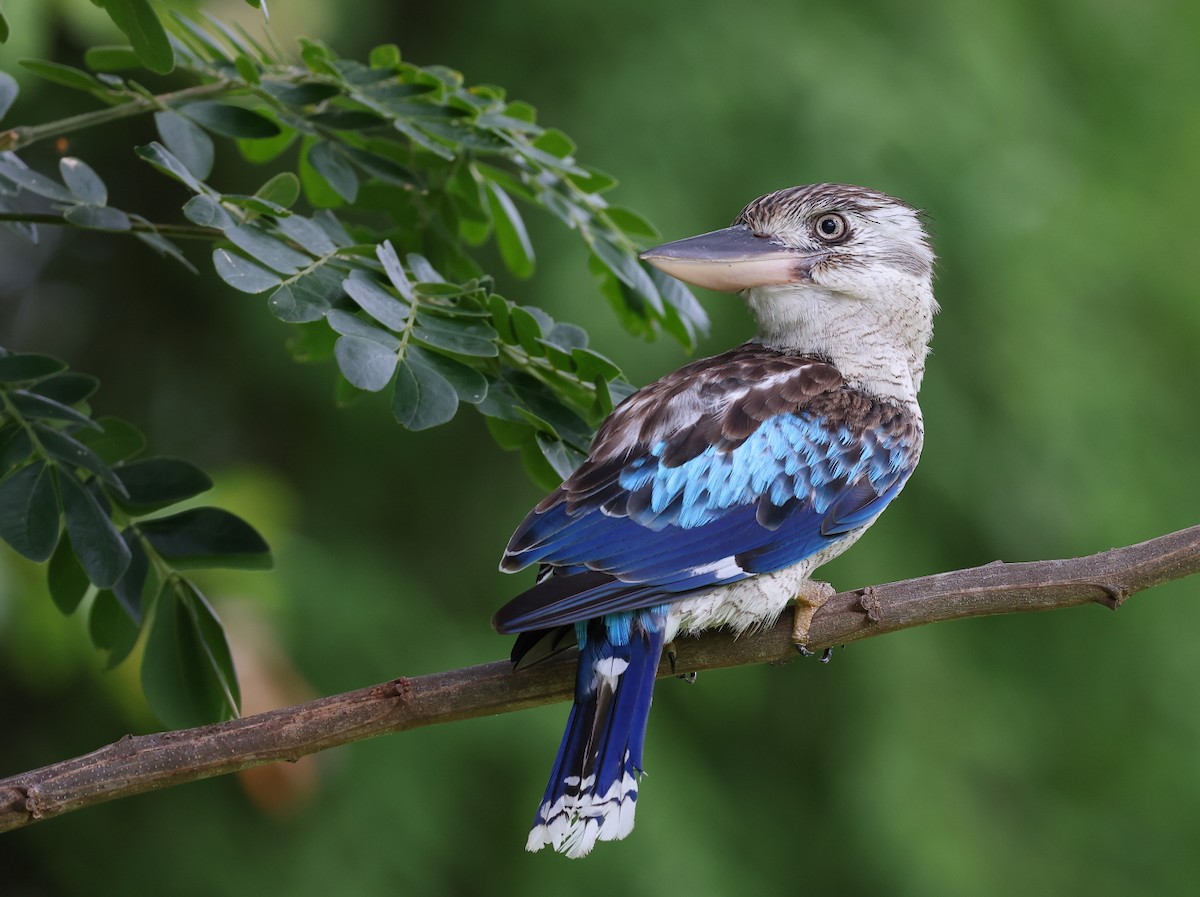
{"points": [[710, 496]]}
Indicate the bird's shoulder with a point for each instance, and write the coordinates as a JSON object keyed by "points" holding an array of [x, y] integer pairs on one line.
{"points": [[717, 400], [720, 402]]}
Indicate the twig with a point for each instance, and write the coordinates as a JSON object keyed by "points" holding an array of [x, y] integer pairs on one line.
{"points": [[137, 764], [23, 135], [179, 231]]}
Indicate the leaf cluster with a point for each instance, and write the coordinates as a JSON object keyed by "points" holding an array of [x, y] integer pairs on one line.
{"points": [[406, 173], [75, 490]]}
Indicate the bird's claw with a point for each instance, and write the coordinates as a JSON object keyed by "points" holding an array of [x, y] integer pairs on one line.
{"points": [[826, 654]]}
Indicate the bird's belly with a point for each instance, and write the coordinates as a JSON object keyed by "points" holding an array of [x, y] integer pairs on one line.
{"points": [[751, 603]]}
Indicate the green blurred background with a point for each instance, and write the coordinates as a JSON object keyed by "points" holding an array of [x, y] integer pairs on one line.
{"points": [[1054, 147]]}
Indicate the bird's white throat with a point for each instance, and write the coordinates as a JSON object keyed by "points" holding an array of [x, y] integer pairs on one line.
{"points": [[879, 347]]}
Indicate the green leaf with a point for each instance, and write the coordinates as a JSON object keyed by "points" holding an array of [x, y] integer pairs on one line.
{"points": [[4, 35], [283, 189], [187, 670], [98, 217], [423, 398], [248, 71], [97, 544], [376, 301], [112, 59], [111, 629], [562, 457], [68, 388], [528, 330], [308, 298], [307, 233], [338, 119], [15, 447], [385, 56], [395, 272], [538, 468], [17, 367], [16, 171], [35, 406], [72, 453], [380, 167], [187, 141], [261, 246], [366, 363], [82, 181], [331, 164], [144, 30], [9, 90], [207, 212], [422, 270], [66, 75], [164, 160], [631, 222], [348, 324], [115, 442], [594, 181], [242, 274], [130, 587], [511, 236], [423, 140], [460, 344], [269, 148], [66, 579], [502, 318], [591, 365], [154, 483], [556, 143], [630, 272], [470, 385], [231, 121], [567, 336], [200, 38], [508, 435], [207, 537], [311, 342], [307, 93], [689, 312], [29, 512]]}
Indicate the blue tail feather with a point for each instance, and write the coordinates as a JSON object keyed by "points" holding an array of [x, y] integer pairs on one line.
{"points": [[592, 794]]}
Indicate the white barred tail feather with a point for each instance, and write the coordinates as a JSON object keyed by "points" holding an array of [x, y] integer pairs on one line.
{"points": [[593, 790]]}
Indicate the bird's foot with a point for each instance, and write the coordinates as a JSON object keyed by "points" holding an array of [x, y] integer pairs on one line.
{"points": [[689, 678], [809, 599]]}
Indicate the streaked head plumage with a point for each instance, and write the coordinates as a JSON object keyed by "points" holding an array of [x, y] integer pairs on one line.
{"points": [[834, 269]]}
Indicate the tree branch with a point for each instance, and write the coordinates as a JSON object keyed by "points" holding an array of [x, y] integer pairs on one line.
{"points": [[137, 764]]}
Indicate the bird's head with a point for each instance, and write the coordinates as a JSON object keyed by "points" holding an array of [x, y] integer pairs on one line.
{"points": [[827, 268]]}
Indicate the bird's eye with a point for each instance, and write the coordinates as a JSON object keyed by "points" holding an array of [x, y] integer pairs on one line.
{"points": [[831, 228]]}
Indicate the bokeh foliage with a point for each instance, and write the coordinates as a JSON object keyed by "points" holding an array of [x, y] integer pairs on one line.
{"points": [[1052, 148]]}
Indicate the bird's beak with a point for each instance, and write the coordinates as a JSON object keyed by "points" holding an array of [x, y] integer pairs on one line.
{"points": [[731, 260]]}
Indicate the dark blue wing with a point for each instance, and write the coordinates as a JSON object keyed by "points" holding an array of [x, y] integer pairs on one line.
{"points": [[639, 531]]}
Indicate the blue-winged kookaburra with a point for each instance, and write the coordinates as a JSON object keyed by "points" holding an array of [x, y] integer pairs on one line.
{"points": [[710, 496]]}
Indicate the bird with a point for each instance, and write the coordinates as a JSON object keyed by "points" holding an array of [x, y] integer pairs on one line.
{"points": [[710, 496]]}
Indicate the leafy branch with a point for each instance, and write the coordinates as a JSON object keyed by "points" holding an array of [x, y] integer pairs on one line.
{"points": [[385, 180], [74, 492], [137, 764]]}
